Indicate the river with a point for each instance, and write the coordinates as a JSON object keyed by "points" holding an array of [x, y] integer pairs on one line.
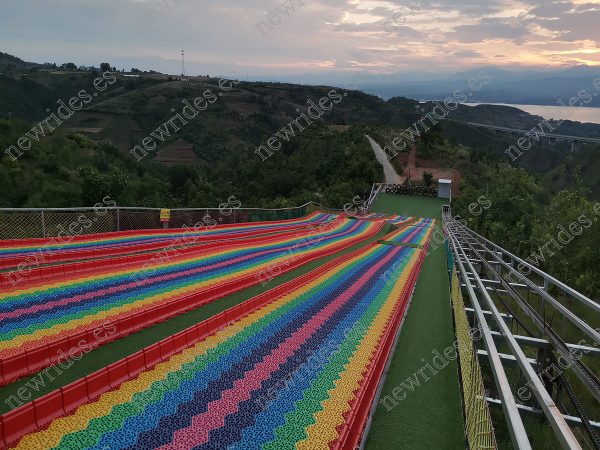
{"points": [[574, 113]]}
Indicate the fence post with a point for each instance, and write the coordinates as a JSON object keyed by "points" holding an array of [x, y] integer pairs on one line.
{"points": [[118, 219], [43, 225]]}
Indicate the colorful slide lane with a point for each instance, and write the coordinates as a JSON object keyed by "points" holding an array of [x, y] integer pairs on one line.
{"points": [[393, 219], [399, 220], [372, 216], [37, 322], [299, 371], [36, 276], [39, 276], [415, 233], [69, 248]]}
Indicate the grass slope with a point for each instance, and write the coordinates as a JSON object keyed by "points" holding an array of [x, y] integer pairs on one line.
{"points": [[431, 416]]}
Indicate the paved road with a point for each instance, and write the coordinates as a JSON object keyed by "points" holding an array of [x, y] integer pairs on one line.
{"points": [[391, 177]]}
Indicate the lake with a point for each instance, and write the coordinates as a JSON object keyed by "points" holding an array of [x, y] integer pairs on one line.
{"points": [[575, 113]]}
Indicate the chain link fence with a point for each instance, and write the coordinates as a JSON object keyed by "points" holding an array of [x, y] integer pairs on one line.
{"points": [[25, 223], [478, 421]]}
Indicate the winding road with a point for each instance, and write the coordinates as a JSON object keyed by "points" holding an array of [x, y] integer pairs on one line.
{"points": [[391, 177]]}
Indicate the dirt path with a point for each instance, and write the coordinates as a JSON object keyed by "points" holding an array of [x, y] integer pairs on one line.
{"points": [[416, 167], [391, 177]]}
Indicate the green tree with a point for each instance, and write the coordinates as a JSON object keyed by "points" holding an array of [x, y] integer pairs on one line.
{"points": [[429, 140], [95, 185], [568, 231], [427, 179], [514, 197]]}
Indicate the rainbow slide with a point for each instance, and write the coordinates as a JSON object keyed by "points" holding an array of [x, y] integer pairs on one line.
{"points": [[38, 321], [415, 233], [68, 248], [399, 220], [299, 370]]}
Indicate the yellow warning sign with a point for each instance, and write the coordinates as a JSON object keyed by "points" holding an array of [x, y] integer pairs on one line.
{"points": [[165, 215]]}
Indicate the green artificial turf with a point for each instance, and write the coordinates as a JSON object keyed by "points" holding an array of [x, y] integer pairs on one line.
{"points": [[114, 351], [400, 244], [430, 417]]}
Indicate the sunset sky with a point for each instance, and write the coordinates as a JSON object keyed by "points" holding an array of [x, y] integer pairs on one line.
{"points": [[222, 36]]}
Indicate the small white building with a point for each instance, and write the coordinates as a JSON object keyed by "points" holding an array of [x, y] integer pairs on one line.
{"points": [[445, 188]]}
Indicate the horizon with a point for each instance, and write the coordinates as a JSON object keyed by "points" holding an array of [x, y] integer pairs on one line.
{"points": [[296, 37]]}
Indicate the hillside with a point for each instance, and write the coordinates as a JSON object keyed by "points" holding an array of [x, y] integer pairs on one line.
{"points": [[581, 168], [214, 154], [6, 60], [145, 102], [69, 169]]}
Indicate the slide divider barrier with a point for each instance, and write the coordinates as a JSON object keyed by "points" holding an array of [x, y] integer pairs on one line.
{"points": [[38, 413], [33, 360], [66, 270], [66, 255], [40, 242], [351, 435]]}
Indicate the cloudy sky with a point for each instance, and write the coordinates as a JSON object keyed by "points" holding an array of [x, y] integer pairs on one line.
{"points": [[226, 36]]}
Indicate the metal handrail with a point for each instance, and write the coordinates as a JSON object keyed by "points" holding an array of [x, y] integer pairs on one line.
{"points": [[375, 192], [547, 277], [516, 427], [141, 208], [463, 240]]}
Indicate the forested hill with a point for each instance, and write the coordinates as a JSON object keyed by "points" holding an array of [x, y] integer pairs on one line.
{"points": [[213, 154], [7, 60]]}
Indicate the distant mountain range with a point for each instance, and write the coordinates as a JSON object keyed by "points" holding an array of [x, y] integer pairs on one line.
{"points": [[517, 86], [512, 85]]}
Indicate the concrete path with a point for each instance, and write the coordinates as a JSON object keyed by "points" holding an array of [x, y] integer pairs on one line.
{"points": [[391, 177]]}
